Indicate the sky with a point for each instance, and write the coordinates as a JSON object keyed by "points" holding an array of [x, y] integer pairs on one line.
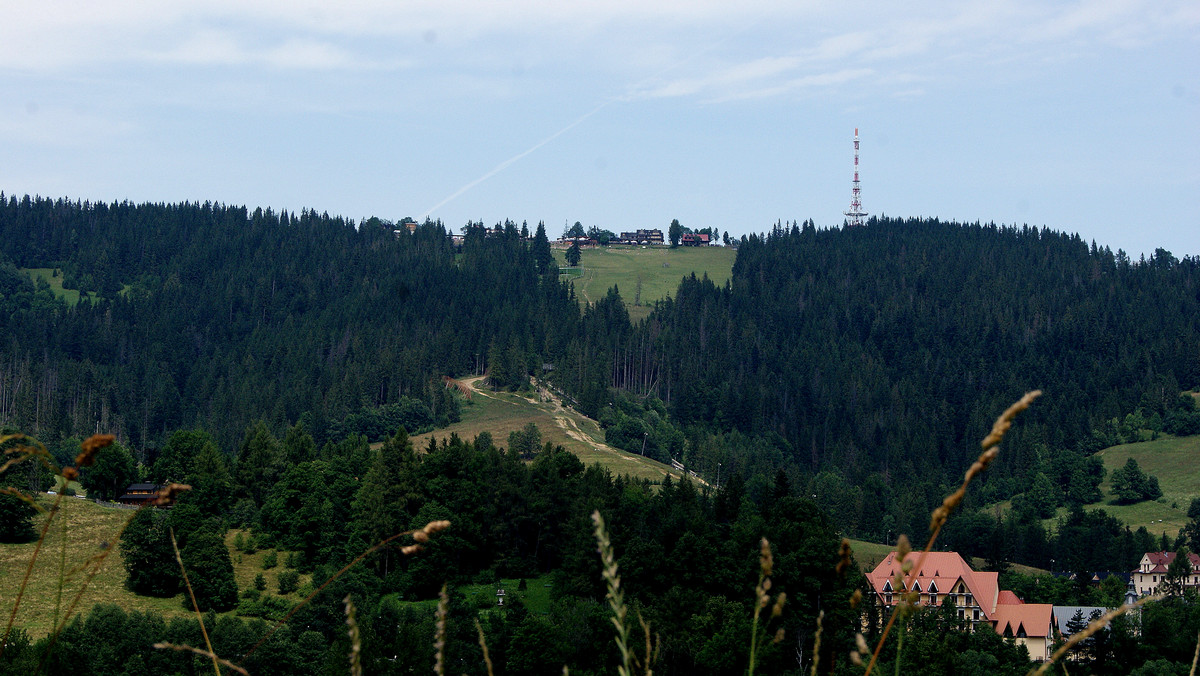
{"points": [[1082, 117]]}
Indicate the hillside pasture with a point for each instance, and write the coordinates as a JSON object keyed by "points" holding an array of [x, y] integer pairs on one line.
{"points": [[1173, 460], [81, 532], [660, 268]]}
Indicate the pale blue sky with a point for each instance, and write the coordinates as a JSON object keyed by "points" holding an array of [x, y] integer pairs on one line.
{"points": [[1084, 117]]}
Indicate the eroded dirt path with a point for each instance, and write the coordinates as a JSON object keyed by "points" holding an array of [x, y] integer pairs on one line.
{"points": [[567, 419]]}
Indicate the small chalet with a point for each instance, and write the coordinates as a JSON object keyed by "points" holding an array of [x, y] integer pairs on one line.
{"points": [[642, 236], [976, 595], [1153, 568], [693, 239], [136, 494]]}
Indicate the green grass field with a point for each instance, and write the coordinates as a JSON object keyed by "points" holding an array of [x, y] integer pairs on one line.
{"points": [[535, 598], [660, 269], [500, 413], [69, 295], [90, 529], [1174, 462]]}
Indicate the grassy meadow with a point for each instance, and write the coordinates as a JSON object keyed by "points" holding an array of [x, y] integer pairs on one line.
{"points": [[1174, 461], [86, 529], [91, 528], [660, 269], [500, 413], [69, 295]]}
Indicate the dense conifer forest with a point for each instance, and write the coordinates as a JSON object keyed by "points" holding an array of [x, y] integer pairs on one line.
{"points": [[841, 379]]}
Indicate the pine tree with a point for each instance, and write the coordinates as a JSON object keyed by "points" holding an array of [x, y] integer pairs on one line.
{"points": [[542, 256]]}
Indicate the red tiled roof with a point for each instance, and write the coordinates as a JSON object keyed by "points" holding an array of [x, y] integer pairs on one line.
{"points": [[1034, 618], [1159, 561], [1008, 598], [944, 570]]}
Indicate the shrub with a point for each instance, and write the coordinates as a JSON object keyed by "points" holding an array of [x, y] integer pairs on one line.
{"points": [[289, 581]]}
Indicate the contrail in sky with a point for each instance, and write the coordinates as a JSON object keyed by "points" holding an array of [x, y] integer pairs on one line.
{"points": [[623, 97], [506, 163]]}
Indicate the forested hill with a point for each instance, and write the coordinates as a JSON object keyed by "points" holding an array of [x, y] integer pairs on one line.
{"points": [[887, 350], [212, 316], [855, 359]]}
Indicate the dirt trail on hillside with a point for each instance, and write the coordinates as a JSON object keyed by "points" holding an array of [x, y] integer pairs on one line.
{"points": [[551, 403]]}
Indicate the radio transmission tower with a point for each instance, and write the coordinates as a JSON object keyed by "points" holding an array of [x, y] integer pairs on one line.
{"points": [[856, 215]]}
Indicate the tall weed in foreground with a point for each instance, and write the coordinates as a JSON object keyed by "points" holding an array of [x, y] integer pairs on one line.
{"points": [[938, 518], [616, 602]]}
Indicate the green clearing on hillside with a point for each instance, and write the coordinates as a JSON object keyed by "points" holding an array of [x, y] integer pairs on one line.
{"points": [[535, 598], [90, 529], [869, 554], [69, 295], [660, 268], [1171, 459], [247, 566], [1174, 461], [500, 413]]}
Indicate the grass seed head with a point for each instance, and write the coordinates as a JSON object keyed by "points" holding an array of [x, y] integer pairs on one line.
{"points": [[88, 449], [765, 560], [169, 493]]}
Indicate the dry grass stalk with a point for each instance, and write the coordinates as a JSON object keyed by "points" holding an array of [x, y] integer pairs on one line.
{"points": [[616, 597], [651, 655], [439, 642], [766, 565], [939, 516], [355, 638], [487, 658], [22, 452], [200, 651], [1195, 657], [817, 643], [1093, 627], [844, 558], [429, 529], [195, 606], [89, 448]]}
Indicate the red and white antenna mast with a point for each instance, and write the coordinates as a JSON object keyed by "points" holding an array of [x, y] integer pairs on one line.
{"points": [[855, 216]]}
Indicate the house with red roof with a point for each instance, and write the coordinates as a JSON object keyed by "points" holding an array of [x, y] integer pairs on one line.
{"points": [[976, 595], [1152, 569]]}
